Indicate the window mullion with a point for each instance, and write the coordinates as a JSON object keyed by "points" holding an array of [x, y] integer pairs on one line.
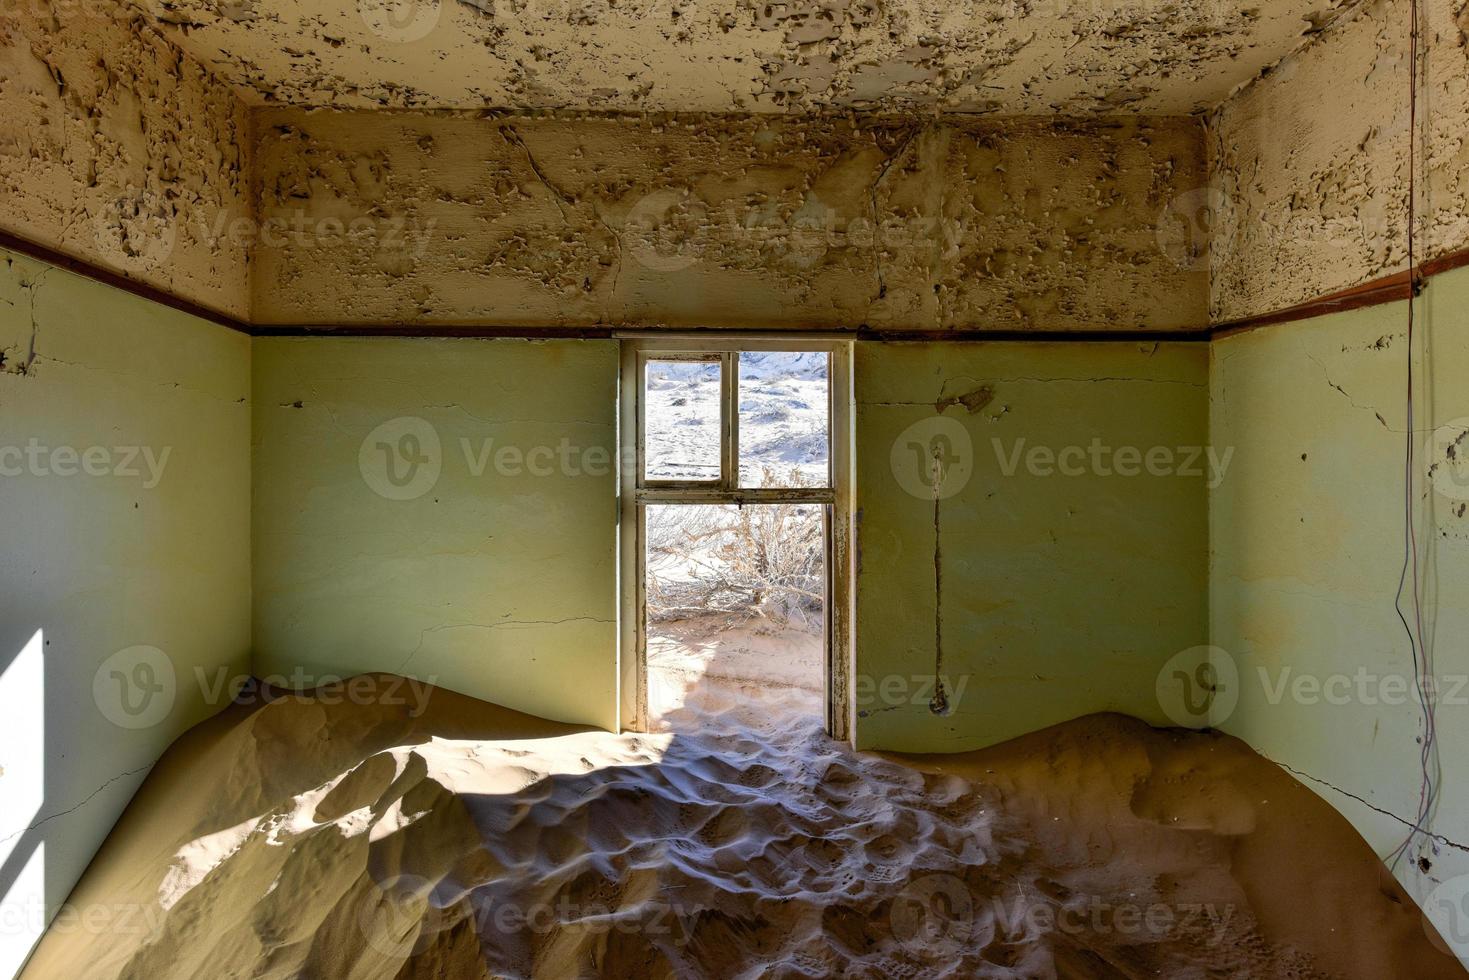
{"points": [[730, 430]]}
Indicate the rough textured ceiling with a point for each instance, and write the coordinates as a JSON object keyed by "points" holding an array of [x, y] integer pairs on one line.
{"points": [[1063, 57]]}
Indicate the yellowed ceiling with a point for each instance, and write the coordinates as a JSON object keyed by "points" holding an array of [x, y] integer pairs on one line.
{"points": [[1034, 57]]}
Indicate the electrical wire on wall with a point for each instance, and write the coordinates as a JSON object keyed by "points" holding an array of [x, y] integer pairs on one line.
{"points": [[1409, 578]]}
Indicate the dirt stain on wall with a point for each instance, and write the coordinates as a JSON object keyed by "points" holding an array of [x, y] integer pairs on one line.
{"points": [[691, 220], [117, 148], [1039, 57], [1310, 164]]}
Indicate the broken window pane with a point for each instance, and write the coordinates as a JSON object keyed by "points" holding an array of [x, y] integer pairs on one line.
{"points": [[681, 420], [785, 432]]}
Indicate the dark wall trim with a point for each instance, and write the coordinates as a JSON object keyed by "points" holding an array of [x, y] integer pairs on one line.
{"points": [[1389, 289], [108, 278], [858, 333], [429, 331], [1037, 336]]}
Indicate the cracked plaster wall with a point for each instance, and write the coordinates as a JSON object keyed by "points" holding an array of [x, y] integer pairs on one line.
{"points": [[99, 561], [1055, 594], [1310, 164], [1307, 549], [118, 149], [1036, 57], [127, 154], [729, 221], [487, 574], [1311, 172]]}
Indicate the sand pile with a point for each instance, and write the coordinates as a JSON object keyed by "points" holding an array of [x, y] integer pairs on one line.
{"points": [[748, 674], [332, 840]]}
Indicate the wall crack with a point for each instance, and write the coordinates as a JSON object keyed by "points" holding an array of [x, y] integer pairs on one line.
{"points": [[1371, 806], [90, 796]]}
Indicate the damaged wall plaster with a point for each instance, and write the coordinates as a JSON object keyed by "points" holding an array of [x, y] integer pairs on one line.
{"points": [[727, 221], [1310, 164], [117, 149], [1034, 57], [1058, 591], [1307, 540], [125, 492], [415, 513], [123, 152]]}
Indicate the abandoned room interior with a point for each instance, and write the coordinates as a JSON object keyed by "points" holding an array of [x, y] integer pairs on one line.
{"points": [[727, 488]]}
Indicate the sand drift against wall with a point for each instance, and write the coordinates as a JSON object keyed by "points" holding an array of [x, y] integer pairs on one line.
{"points": [[320, 838]]}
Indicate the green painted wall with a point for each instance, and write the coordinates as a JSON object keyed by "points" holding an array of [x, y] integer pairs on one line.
{"points": [[502, 585], [1065, 586], [446, 509], [1307, 535], [124, 561], [492, 568]]}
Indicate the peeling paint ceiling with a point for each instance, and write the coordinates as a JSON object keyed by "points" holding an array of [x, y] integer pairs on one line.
{"points": [[1031, 57]]}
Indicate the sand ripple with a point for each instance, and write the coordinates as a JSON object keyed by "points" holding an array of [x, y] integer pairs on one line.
{"points": [[302, 839]]}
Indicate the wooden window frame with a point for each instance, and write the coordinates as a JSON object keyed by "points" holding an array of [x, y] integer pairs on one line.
{"points": [[636, 494]]}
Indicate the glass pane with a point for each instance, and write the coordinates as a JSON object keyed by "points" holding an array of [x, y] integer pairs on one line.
{"points": [[785, 428], [736, 606], [681, 420]]}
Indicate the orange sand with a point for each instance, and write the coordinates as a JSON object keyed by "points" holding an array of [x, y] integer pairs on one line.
{"points": [[334, 841]]}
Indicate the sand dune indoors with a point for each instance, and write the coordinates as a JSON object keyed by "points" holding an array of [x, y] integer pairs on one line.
{"points": [[810, 451], [309, 837]]}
